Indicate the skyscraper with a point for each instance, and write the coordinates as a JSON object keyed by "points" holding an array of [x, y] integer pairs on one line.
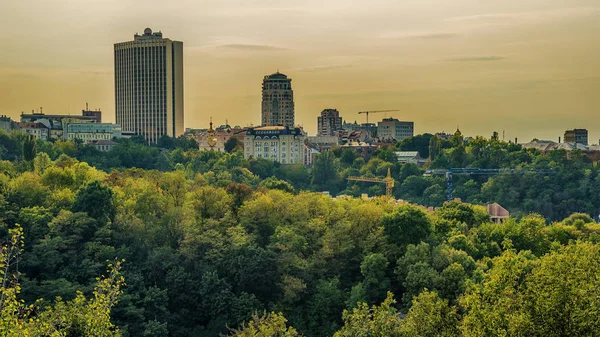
{"points": [[149, 86], [329, 122], [277, 101]]}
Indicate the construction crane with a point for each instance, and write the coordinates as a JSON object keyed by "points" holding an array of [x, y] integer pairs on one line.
{"points": [[477, 171], [373, 112], [388, 181]]}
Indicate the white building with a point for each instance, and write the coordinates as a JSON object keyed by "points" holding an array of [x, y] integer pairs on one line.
{"points": [[88, 132], [277, 101], [149, 86], [37, 130], [277, 143], [391, 128]]}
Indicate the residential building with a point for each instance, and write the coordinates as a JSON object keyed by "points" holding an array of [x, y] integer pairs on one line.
{"points": [[310, 152], [277, 101], [363, 149], [36, 129], [88, 132], [6, 123], [57, 124], [498, 214], [393, 129], [149, 86], [579, 136], [329, 122], [277, 143], [103, 144]]}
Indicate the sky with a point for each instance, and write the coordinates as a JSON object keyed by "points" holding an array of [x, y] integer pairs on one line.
{"points": [[525, 68]]}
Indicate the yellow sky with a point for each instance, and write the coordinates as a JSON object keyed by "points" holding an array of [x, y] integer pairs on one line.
{"points": [[529, 67]]}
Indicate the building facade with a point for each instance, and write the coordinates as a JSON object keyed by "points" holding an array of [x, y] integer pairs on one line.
{"points": [[88, 132], [149, 86], [578, 136], [6, 123], [57, 124], [329, 122], [276, 143], [277, 101], [36, 129], [393, 129], [103, 144]]}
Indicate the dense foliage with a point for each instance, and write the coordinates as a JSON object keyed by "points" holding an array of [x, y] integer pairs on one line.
{"points": [[212, 240]]}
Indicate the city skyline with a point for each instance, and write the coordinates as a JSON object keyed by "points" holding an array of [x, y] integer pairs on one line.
{"points": [[531, 67]]}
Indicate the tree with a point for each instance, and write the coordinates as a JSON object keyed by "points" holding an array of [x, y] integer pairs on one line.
{"points": [[430, 316], [407, 224], [273, 183], [29, 148], [434, 148], [97, 201], [267, 325], [325, 172], [419, 143], [79, 317], [378, 321], [232, 144]]}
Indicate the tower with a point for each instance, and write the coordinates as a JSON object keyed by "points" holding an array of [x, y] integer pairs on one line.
{"points": [[149, 86], [329, 122], [277, 101]]}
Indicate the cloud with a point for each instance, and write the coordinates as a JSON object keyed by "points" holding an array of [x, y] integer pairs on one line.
{"points": [[477, 59], [251, 47], [552, 14], [324, 68], [435, 36]]}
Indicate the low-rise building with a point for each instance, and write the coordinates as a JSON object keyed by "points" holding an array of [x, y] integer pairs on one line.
{"points": [[88, 132], [277, 143], [37, 130], [498, 214], [57, 124], [310, 152], [393, 129], [6, 123], [412, 157], [103, 144], [578, 136], [363, 149]]}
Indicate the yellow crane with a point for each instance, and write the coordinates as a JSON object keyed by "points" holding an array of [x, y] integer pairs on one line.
{"points": [[373, 112], [388, 181]]}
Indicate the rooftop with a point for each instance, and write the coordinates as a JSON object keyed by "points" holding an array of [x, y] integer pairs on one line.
{"points": [[276, 76], [103, 142]]}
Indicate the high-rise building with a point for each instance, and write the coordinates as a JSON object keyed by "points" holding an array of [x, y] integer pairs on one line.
{"points": [[149, 86], [277, 101], [393, 129], [329, 122], [579, 136]]}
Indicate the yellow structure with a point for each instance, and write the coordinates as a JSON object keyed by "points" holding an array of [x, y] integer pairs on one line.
{"points": [[388, 181]]}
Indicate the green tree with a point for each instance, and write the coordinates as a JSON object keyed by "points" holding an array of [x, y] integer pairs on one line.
{"points": [[378, 321], [29, 148], [430, 316], [407, 224], [267, 325], [79, 317], [325, 173], [232, 144], [97, 201]]}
